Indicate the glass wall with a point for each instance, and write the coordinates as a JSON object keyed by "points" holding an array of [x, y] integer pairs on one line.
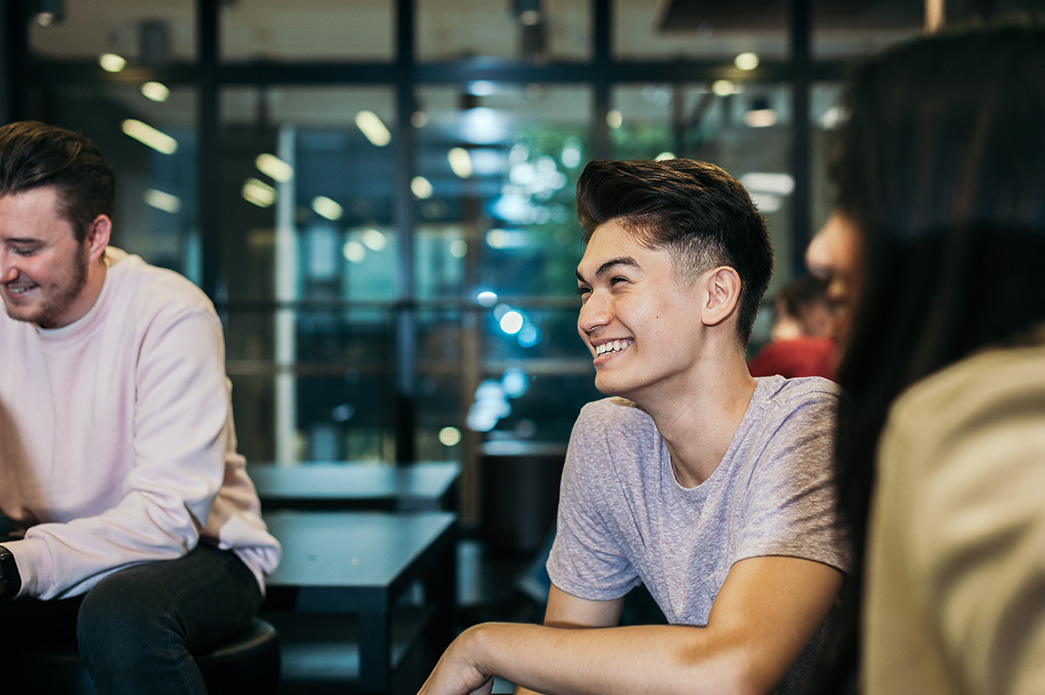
{"points": [[312, 274], [378, 195], [497, 241], [152, 145]]}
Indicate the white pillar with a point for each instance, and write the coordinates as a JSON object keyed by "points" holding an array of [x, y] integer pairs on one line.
{"points": [[286, 291]]}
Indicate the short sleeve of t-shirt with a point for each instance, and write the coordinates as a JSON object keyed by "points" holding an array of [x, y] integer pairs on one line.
{"points": [[588, 558]]}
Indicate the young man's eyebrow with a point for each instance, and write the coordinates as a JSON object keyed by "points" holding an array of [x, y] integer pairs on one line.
{"points": [[610, 264]]}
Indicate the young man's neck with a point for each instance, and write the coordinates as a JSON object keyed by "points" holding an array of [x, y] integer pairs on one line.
{"points": [[698, 415]]}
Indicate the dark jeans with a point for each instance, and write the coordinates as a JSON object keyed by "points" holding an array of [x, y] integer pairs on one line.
{"points": [[138, 628]]}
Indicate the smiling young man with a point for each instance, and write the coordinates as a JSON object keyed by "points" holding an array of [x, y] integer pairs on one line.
{"points": [[709, 487], [127, 519]]}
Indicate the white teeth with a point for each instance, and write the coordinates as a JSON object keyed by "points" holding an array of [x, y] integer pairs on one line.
{"points": [[612, 346]]}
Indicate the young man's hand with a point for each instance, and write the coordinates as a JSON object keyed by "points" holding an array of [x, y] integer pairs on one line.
{"points": [[456, 673]]}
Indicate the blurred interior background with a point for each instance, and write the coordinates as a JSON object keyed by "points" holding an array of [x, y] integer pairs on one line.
{"points": [[378, 194]]}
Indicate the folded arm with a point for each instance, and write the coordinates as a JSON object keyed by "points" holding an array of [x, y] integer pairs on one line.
{"points": [[765, 613]]}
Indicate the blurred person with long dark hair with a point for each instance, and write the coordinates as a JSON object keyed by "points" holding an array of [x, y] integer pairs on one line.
{"points": [[936, 260]]}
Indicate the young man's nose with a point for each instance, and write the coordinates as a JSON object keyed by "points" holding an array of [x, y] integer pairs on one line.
{"points": [[8, 271], [594, 313]]}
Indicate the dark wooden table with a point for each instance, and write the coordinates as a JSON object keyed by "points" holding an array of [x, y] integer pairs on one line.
{"points": [[362, 563], [427, 485]]}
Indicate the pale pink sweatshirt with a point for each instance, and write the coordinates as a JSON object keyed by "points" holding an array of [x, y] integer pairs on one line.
{"points": [[116, 437]]}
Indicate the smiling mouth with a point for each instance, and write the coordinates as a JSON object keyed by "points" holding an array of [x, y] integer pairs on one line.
{"points": [[612, 346]]}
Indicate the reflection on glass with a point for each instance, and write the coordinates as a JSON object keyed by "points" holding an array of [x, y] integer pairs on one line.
{"points": [[499, 238], [309, 234], [156, 212], [508, 226]]}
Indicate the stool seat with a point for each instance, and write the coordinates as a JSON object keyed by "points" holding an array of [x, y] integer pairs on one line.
{"points": [[248, 663]]}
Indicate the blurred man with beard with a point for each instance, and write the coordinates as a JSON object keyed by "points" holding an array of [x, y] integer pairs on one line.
{"points": [[127, 519]]}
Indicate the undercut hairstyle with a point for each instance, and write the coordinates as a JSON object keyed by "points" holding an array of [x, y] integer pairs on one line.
{"points": [[941, 167], [35, 154], [694, 210]]}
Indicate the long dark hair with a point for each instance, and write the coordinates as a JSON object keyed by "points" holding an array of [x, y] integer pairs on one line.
{"points": [[941, 166]]}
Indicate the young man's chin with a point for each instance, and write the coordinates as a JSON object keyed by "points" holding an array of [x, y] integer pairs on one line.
{"points": [[21, 316], [608, 387], [13, 312], [27, 314]]}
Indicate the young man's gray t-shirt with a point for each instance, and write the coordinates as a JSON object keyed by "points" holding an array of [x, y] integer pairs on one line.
{"points": [[624, 519]]}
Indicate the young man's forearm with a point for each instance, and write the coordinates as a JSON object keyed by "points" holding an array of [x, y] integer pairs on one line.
{"points": [[650, 659], [765, 614]]}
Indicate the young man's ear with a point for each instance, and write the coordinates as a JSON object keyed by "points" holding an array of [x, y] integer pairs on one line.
{"points": [[722, 295], [98, 237]]}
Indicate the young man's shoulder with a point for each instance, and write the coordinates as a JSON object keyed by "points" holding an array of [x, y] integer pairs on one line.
{"points": [[612, 426], [778, 392], [612, 414], [152, 287], [787, 410]]}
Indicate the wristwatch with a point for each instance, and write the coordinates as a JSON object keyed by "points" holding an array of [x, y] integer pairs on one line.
{"points": [[10, 580]]}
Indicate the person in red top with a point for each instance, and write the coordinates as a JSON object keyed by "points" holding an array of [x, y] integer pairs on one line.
{"points": [[800, 343]]}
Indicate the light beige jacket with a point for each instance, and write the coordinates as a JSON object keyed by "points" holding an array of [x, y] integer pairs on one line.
{"points": [[955, 598]]}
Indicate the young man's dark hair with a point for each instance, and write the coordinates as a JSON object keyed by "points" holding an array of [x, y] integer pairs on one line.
{"points": [[694, 210], [36, 154]]}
